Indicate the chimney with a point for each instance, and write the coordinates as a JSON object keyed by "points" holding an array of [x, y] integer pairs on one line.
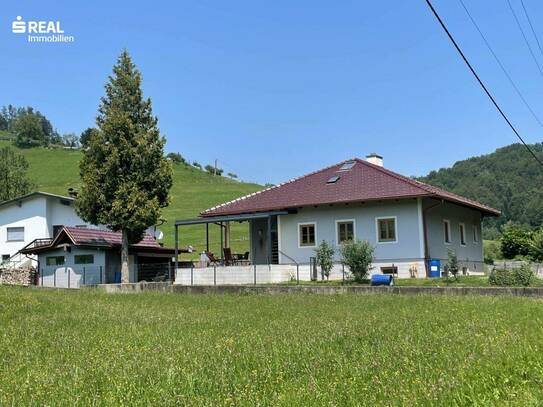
{"points": [[374, 158]]}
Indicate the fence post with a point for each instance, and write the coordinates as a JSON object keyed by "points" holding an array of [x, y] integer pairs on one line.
{"points": [[214, 275], [66, 269], [101, 277], [191, 275], [297, 274], [84, 280], [343, 273], [55, 278], [42, 277], [254, 273]]}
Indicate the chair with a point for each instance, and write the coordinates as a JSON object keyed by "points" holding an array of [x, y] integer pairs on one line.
{"points": [[228, 258], [212, 259]]}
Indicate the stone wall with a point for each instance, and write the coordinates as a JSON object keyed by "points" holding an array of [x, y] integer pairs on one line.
{"points": [[17, 276]]}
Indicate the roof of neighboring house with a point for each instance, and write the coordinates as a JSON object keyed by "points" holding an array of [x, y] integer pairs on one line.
{"points": [[32, 195], [95, 238], [363, 182]]}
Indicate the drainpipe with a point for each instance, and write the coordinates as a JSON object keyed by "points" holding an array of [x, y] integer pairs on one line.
{"points": [[425, 232]]}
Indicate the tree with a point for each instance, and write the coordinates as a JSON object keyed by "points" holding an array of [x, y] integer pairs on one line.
{"points": [[515, 241], [213, 170], [13, 180], [232, 175], [358, 256], [452, 263], [536, 246], [29, 131], [325, 258], [86, 136], [176, 158], [197, 165], [70, 140], [125, 177]]}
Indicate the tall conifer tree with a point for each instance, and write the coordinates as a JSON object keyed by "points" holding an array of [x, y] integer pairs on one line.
{"points": [[125, 177]]}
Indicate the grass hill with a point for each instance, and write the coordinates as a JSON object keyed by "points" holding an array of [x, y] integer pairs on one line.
{"points": [[508, 179], [56, 170]]}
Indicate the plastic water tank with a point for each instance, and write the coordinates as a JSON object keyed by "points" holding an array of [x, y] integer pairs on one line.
{"points": [[382, 279], [434, 268]]}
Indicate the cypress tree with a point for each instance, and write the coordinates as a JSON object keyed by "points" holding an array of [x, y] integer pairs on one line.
{"points": [[125, 177]]}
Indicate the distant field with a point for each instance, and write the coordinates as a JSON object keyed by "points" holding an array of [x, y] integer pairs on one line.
{"points": [[56, 170], [84, 347]]}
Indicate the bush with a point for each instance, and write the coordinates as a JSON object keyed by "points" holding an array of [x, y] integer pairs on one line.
{"points": [[523, 277], [358, 256], [452, 264], [325, 258], [515, 241]]}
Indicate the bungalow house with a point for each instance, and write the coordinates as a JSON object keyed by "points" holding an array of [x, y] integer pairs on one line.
{"points": [[33, 216], [77, 256], [408, 222]]}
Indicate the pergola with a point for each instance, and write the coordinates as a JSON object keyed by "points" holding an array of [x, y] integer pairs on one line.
{"points": [[221, 221]]}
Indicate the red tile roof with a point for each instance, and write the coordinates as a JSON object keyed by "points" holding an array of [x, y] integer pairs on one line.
{"points": [[98, 237], [362, 183]]}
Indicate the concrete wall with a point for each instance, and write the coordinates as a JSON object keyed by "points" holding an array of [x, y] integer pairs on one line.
{"points": [[472, 253], [407, 248]]}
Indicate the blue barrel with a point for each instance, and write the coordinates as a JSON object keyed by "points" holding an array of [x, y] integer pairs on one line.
{"points": [[434, 267], [382, 279], [117, 277]]}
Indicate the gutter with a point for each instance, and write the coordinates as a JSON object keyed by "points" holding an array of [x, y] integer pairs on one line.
{"points": [[425, 232]]}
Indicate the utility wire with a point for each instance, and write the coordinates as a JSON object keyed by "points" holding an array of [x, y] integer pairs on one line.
{"points": [[524, 36], [531, 26], [513, 84], [481, 82]]}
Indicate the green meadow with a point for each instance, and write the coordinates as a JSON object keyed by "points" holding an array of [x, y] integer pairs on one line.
{"points": [[91, 348]]}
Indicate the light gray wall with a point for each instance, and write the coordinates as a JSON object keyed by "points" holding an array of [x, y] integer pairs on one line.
{"points": [[60, 279], [456, 214], [408, 227], [259, 242]]}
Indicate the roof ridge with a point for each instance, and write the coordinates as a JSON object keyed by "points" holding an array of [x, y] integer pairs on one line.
{"points": [[275, 186]]}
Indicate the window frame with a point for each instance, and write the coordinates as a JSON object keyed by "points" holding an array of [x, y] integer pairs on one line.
{"points": [[378, 229], [338, 221], [447, 235], [15, 240], [462, 233], [55, 257], [83, 255], [476, 238], [305, 246]]}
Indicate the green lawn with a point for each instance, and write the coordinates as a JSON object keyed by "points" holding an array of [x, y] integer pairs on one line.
{"points": [[56, 170], [85, 347]]}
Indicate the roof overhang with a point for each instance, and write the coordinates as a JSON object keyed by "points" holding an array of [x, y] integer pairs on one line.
{"points": [[230, 218]]}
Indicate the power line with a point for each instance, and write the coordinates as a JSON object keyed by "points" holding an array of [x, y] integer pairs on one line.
{"points": [[519, 93], [531, 27], [481, 82], [524, 36]]}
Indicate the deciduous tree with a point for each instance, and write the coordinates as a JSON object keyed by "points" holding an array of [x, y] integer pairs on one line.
{"points": [[13, 178]]}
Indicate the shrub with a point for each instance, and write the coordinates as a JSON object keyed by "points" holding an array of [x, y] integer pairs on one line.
{"points": [[515, 241], [523, 276], [325, 258], [536, 246], [452, 263], [358, 256]]}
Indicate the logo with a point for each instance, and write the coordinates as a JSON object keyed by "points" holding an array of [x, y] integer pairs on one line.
{"points": [[40, 31]]}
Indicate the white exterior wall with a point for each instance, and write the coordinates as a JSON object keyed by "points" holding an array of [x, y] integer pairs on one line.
{"points": [[37, 214]]}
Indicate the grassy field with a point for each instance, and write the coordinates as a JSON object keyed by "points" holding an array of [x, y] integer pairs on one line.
{"points": [[84, 347], [56, 170]]}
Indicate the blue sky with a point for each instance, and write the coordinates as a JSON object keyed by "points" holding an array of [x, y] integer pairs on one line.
{"points": [[279, 88]]}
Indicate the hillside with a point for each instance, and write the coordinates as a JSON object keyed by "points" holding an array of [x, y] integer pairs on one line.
{"points": [[508, 179], [56, 170]]}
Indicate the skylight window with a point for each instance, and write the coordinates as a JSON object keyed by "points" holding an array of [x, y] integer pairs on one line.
{"points": [[347, 166], [333, 180]]}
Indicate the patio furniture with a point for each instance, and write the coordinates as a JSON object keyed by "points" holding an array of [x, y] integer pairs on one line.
{"points": [[212, 259], [229, 259]]}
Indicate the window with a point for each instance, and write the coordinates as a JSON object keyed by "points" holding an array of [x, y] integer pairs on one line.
{"points": [[333, 180], [84, 259], [390, 270], [475, 233], [447, 231], [54, 260], [462, 234], [306, 234], [5, 257], [345, 230], [386, 230], [347, 166], [16, 234]]}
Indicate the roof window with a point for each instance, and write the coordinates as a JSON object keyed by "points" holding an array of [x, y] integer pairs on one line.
{"points": [[333, 180], [347, 166]]}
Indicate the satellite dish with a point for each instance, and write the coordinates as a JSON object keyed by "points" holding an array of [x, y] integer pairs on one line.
{"points": [[159, 235]]}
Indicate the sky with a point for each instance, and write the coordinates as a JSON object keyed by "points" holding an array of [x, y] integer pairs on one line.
{"points": [[276, 89]]}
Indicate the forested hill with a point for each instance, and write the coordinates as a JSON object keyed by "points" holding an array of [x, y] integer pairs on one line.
{"points": [[508, 179]]}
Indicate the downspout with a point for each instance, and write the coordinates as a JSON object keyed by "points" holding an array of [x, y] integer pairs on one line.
{"points": [[425, 232]]}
